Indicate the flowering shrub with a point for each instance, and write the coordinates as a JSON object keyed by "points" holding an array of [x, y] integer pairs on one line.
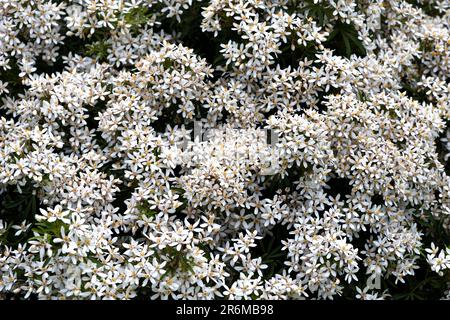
{"points": [[260, 149]]}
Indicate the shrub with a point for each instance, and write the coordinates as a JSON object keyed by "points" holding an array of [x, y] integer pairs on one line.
{"points": [[261, 149]]}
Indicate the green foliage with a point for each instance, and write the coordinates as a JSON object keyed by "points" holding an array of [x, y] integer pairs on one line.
{"points": [[144, 209], [178, 262], [98, 49], [346, 34], [425, 285], [18, 205], [15, 87], [320, 13], [269, 248], [137, 17], [168, 63], [50, 229]]}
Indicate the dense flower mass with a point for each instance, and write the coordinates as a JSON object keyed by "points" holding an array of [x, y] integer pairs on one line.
{"points": [[205, 149]]}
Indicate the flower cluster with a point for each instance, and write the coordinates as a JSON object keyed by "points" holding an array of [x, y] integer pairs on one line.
{"points": [[202, 149]]}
